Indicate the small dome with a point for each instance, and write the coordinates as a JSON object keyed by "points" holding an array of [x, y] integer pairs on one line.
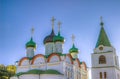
{"points": [[58, 38], [49, 38], [31, 43], [73, 49]]}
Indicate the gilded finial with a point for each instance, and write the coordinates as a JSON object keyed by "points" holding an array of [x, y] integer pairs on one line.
{"points": [[53, 19], [59, 23], [73, 38], [101, 19], [32, 31]]}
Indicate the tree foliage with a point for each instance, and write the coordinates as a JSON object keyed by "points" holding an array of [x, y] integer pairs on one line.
{"points": [[7, 71]]}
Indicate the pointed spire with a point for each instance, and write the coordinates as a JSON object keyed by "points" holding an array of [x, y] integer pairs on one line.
{"points": [[102, 39]]}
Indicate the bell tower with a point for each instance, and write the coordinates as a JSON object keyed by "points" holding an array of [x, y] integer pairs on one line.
{"points": [[105, 63]]}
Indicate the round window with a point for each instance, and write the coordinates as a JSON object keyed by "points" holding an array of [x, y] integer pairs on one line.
{"points": [[100, 48]]}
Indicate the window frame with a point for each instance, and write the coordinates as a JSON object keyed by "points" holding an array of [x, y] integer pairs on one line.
{"points": [[102, 59]]}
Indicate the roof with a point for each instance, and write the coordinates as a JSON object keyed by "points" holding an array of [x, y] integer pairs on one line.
{"points": [[73, 49], [58, 38], [49, 38], [31, 43], [50, 71], [35, 71], [102, 39]]}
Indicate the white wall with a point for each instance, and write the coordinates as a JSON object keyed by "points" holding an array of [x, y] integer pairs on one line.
{"points": [[30, 52], [56, 66], [110, 61], [49, 48], [51, 76], [59, 47], [109, 67], [41, 76], [111, 74]]}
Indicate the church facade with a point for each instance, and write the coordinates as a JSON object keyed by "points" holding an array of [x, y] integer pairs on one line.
{"points": [[54, 64], [105, 63]]}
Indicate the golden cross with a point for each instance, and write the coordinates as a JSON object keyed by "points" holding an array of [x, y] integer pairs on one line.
{"points": [[101, 19], [53, 19], [32, 31], [59, 23], [73, 38]]}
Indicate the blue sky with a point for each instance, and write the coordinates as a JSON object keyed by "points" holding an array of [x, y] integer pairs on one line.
{"points": [[78, 17]]}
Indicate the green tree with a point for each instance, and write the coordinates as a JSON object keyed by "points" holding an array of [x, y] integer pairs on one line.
{"points": [[7, 71]]}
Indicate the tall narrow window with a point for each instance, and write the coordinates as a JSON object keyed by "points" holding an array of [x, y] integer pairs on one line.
{"points": [[71, 73], [67, 74], [66, 71], [117, 76], [100, 75], [77, 75], [102, 59], [115, 60], [105, 75]]}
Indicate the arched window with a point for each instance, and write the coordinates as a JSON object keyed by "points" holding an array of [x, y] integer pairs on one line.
{"points": [[105, 75], [100, 75], [102, 59]]}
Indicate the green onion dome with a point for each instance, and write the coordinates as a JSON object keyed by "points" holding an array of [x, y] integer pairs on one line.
{"points": [[58, 38], [73, 49], [49, 38], [31, 43]]}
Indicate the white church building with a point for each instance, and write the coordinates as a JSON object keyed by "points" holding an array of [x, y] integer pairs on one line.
{"points": [[54, 64], [105, 63]]}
